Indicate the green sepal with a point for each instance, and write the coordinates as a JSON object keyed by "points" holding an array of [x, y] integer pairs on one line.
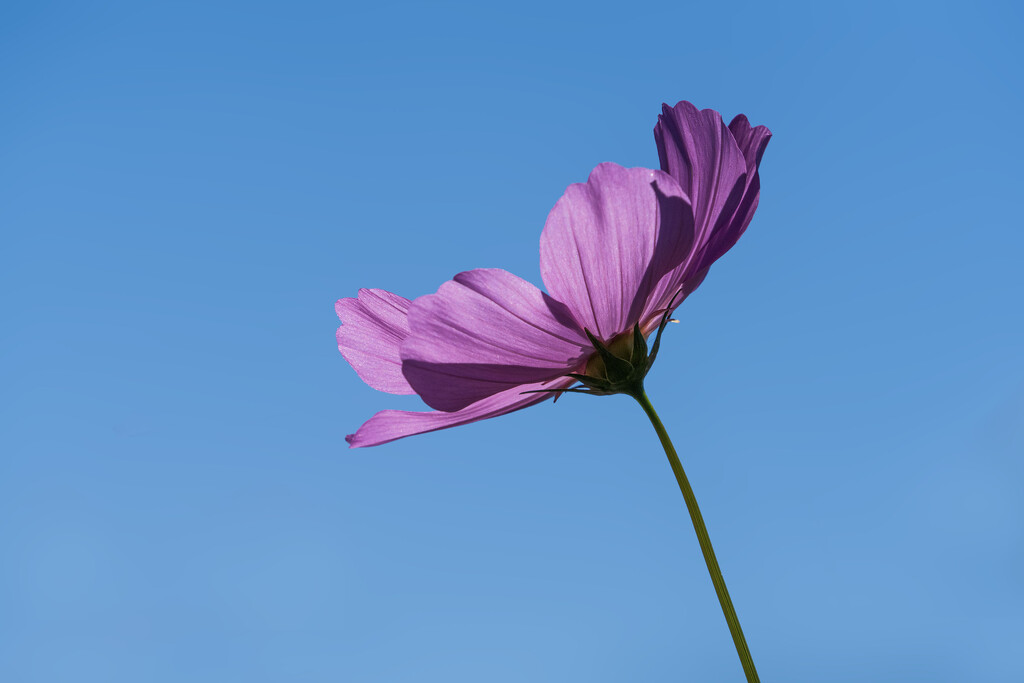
{"points": [[615, 367], [661, 328], [595, 383], [573, 390], [639, 356]]}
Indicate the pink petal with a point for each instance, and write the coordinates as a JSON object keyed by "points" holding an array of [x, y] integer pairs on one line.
{"points": [[373, 327], [697, 149], [752, 143], [484, 332], [388, 425], [717, 167], [609, 241]]}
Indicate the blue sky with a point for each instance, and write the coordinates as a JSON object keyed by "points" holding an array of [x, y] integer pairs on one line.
{"points": [[188, 188]]}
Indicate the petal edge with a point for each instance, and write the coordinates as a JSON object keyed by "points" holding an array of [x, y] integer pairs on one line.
{"points": [[374, 325]]}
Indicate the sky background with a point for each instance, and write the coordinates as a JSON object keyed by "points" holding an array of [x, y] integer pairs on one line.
{"points": [[187, 188]]}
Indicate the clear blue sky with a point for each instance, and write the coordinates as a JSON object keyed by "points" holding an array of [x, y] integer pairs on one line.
{"points": [[186, 189]]}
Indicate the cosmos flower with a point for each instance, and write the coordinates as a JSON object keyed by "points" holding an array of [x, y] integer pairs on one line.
{"points": [[617, 254]]}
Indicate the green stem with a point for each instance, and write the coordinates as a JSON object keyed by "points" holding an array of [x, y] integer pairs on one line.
{"points": [[702, 537]]}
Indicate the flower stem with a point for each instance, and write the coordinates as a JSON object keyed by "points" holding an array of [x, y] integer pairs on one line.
{"points": [[702, 537]]}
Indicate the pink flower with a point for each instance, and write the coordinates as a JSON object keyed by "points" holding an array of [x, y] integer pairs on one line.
{"points": [[617, 254]]}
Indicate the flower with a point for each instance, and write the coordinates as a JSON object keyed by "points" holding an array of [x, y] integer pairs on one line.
{"points": [[618, 253]]}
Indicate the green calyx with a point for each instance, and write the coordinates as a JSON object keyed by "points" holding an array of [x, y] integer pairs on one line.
{"points": [[618, 367]]}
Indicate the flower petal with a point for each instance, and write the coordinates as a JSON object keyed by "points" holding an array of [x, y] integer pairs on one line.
{"points": [[388, 425], [752, 143], [483, 332], [373, 327], [697, 149], [608, 241], [717, 167]]}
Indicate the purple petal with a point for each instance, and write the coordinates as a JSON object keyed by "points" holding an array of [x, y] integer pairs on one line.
{"points": [[752, 143], [609, 241], [388, 425], [717, 166], [373, 327], [484, 332], [697, 149]]}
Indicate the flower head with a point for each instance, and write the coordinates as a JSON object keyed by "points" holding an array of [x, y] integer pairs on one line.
{"points": [[618, 253]]}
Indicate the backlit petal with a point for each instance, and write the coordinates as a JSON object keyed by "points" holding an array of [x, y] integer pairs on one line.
{"points": [[388, 425], [752, 140], [752, 143], [373, 327], [717, 166], [608, 242], [698, 150], [484, 332]]}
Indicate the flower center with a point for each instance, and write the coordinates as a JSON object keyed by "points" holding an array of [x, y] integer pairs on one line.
{"points": [[619, 367]]}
